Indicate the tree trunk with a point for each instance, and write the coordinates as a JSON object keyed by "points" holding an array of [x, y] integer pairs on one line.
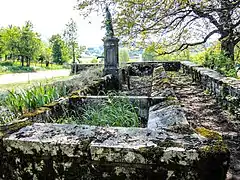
{"points": [[28, 61], [73, 52], [22, 60], [227, 48]]}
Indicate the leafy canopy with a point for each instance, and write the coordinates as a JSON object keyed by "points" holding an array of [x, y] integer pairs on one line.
{"points": [[177, 24]]}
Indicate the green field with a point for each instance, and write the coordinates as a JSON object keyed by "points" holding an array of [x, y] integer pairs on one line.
{"points": [[15, 67]]}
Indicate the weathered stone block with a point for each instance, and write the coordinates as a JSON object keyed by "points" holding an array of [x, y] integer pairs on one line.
{"points": [[166, 117], [83, 152]]}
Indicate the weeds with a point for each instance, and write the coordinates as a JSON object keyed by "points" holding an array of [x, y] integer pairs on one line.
{"points": [[17, 101], [30, 99], [115, 111]]}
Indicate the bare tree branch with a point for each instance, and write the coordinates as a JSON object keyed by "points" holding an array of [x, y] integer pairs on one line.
{"points": [[186, 45]]}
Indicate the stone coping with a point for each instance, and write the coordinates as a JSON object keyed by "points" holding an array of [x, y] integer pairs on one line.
{"points": [[230, 81], [190, 64], [103, 142], [225, 89]]}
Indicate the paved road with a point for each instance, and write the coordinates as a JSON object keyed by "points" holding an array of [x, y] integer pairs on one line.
{"points": [[25, 77]]}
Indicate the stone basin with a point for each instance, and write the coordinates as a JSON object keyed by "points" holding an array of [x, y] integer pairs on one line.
{"points": [[168, 148]]}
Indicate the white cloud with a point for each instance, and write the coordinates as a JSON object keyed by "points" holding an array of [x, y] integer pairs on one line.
{"points": [[49, 17]]}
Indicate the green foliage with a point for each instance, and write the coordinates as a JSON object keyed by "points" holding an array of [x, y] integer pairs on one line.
{"points": [[173, 23], [45, 53], [123, 55], [10, 37], [22, 101], [20, 42], [16, 102], [199, 57], [16, 69], [6, 63], [60, 51], [79, 50], [220, 62], [148, 56], [29, 43], [153, 50]]}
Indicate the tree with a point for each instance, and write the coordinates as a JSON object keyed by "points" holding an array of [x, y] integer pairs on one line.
{"points": [[70, 36], [2, 45], [60, 51], [20, 42], [10, 40], [45, 53], [30, 43], [180, 23]]}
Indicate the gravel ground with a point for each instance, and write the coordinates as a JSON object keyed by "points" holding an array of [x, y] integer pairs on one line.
{"points": [[203, 111], [139, 86]]}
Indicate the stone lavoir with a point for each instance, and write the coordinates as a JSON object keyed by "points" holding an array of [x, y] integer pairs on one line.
{"points": [[167, 147]]}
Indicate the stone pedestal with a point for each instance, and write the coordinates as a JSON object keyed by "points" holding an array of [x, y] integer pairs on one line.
{"points": [[111, 61]]}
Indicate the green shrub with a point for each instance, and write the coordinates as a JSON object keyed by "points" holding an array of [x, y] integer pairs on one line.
{"points": [[16, 69], [6, 63], [220, 63]]}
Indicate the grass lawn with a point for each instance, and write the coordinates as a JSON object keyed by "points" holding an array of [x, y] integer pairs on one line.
{"points": [[7, 67]]}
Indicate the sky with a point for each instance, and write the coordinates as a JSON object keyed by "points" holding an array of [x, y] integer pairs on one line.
{"points": [[49, 17]]}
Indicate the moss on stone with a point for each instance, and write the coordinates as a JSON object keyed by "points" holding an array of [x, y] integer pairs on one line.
{"points": [[14, 126], [171, 98], [77, 97], [217, 147], [210, 134], [36, 112], [159, 70], [53, 104]]}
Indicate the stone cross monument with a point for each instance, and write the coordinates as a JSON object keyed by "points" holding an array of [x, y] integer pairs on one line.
{"points": [[111, 61]]}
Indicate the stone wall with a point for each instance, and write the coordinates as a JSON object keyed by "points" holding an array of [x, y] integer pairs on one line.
{"points": [[53, 151], [168, 65], [168, 113], [82, 67], [168, 148], [225, 89]]}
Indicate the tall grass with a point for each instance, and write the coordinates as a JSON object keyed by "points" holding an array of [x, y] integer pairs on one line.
{"points": [[115, 111], [22, 101], [17, 101]]}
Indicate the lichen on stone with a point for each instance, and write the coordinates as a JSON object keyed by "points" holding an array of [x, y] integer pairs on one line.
{"points": [[210, 134]]}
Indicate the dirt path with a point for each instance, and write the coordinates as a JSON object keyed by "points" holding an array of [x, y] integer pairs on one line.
{"points": [[202, 111], [25, 77]]}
